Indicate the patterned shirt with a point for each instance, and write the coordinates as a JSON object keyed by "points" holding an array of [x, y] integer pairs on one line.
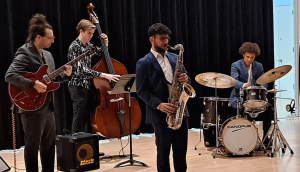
{"points": [[82, 72]]}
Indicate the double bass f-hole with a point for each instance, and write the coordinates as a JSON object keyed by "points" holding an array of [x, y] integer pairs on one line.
{"points": [[111, 117]]}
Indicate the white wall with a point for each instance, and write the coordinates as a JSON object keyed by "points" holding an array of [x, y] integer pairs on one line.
{"points": [[285, 51]]}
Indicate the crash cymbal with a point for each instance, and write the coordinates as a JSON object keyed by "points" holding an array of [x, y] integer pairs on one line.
{"points": [[275, 91], [215, 80], [274, 74]]}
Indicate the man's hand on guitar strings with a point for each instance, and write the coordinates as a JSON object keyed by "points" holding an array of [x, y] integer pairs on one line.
{"points": [[40, 87], [68, 70]]}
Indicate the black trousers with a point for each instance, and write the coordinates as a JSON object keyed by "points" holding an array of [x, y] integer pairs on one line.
{"points": [[165, 138], [81, 112], [39, 135]]}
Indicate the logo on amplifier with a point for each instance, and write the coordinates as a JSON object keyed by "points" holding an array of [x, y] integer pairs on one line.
{"points": [[86, 162], [85, 154]]}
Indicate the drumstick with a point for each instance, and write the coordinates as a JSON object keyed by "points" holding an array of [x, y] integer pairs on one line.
{"points": [[249, 74]]}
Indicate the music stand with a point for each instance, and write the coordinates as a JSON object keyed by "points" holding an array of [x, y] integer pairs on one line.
{"points": [[126, 84]]}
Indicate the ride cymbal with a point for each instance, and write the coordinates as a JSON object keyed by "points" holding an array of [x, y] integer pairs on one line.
{"points": [[274, 74], [215, 80]]}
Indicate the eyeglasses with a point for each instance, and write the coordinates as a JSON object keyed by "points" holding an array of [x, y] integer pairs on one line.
{"points": [[163, 38], [50, 37]]}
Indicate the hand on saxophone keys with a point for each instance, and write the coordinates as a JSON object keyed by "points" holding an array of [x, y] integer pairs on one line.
{"points": [[183, 78], [167, 108]]}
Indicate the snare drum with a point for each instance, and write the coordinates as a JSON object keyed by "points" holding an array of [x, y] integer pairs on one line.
{"points": [[209, 112], [255, 97], [239, 136]]}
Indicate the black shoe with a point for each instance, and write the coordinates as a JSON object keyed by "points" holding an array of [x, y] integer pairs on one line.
{"points": [[101, 153]]}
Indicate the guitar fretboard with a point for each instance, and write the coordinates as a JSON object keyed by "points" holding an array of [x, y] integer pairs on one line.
{"points": [[70, 63]]}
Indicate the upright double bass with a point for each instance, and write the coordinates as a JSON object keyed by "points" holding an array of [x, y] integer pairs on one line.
{"points": [[111, 117]]}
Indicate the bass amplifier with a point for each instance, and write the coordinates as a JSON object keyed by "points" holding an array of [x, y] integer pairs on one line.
{"points": [[77, 152]]}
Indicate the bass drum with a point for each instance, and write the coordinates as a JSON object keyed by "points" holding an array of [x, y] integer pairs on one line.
{"points": [[239, 136]]}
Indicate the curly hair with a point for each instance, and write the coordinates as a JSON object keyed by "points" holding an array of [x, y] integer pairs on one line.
{"points": [[249, 47], [158, 29], [37, 26]]}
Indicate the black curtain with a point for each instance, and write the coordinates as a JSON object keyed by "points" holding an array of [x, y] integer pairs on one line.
{"points": [[211, 32]]}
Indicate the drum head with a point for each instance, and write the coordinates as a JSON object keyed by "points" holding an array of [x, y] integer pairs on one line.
{"points": [[239, 136]]}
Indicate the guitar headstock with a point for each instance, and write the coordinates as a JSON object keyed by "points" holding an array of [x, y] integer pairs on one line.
{"points": [[93, 16], [91, 50]]}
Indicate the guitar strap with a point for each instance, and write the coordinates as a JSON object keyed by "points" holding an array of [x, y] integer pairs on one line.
{"points": [[45, 62]]}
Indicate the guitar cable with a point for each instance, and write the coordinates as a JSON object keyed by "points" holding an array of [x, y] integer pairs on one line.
{"points": [[14, 133]]}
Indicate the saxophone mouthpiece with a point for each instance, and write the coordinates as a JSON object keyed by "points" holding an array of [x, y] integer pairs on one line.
{"points": [[168, 47]]}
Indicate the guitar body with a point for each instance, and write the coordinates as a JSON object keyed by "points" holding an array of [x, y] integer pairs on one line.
{"points": [[31, 100]]}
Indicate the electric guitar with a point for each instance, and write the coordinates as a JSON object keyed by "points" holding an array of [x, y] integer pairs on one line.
{"points": [[31, 99]]}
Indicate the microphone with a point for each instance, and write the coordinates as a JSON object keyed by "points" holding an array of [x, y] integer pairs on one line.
{"points": [[290, 107]]}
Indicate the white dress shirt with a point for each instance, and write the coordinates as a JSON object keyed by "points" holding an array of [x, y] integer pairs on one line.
{"points": [[165, 66]]}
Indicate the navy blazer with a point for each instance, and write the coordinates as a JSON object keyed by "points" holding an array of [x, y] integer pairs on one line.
{"points": [[152, 86], [239, 72]]}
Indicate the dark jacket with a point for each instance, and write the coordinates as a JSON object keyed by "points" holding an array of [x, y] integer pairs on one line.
{"points": [[152, 86], [239, 72], [27, 59]]}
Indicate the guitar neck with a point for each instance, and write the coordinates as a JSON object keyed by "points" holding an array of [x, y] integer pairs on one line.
{"points": [[62, 68]]}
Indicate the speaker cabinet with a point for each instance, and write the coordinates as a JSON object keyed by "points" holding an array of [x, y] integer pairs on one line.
{"points": [[77, 152], [3, 165]]}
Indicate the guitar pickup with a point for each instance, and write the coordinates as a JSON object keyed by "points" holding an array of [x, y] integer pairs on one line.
{"points": [[46, 79], [116, 100]]}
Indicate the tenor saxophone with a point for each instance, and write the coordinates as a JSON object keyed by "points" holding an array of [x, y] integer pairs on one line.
{"points": [[180, 93]]}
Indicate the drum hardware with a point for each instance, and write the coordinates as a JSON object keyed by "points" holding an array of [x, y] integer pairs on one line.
{"points": [[253, 113], [201, 126], [275, 91], [260, 141], [216, 80], [276, 134], [233, 128]]}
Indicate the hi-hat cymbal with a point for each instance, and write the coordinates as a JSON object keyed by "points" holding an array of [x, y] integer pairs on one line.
{"points": [[275, 91], [274, 74], [215, 80]]}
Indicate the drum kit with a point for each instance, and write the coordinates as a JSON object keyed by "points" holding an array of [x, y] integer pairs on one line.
{"points": [[237, 134]]}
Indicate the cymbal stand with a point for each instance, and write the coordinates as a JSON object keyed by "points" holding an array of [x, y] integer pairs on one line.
{"points": [[238, 103], [276, 134], [217, 149]]}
